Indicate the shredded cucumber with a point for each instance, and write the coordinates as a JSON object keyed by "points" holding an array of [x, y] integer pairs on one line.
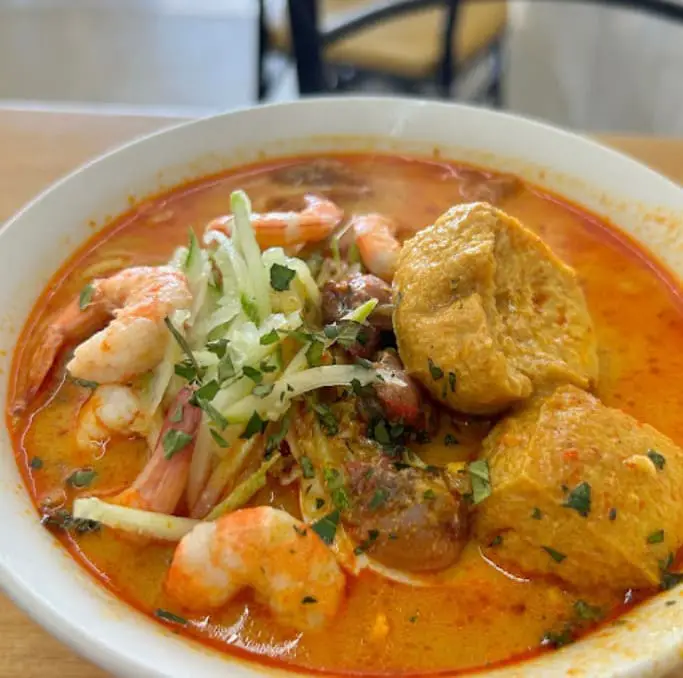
{"points": [[143, 523]]}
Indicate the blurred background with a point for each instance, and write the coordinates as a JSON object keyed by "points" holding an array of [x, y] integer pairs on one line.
{"points": [[595, 66]]}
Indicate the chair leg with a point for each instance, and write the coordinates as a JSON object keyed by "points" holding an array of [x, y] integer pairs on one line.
{"points": [[262, 84], [495, 90]]}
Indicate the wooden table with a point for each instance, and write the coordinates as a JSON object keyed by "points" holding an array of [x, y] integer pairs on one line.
{"points": [[35, 149]]}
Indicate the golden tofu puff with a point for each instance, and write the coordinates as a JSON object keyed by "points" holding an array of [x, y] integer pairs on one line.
{"points": [[486, 313], [582, 492]]}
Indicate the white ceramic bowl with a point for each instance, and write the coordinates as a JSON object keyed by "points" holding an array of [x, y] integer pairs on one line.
{"points": [[44, 580]]}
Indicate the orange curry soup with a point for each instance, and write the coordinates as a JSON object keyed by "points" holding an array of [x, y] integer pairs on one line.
{"points": [[487, 616]]}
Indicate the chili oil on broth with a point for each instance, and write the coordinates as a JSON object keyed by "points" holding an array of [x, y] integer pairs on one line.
{"points": [[384, 626]]}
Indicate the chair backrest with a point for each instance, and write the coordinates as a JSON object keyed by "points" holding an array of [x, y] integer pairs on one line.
{"points": [[309, 39]]}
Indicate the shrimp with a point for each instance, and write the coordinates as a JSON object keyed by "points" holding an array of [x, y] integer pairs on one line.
{"points": [[377, 243], [162, 482], [110, 410], [138, 299], [279, 229], [265, 549]]}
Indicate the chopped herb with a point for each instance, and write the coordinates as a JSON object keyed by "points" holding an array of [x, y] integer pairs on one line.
{"points": [[302, 532], [335, 484], [350, 333], [555, 555], [319, 503], [380, 433], [496, 541], [263, 390], [309, 600], [218, 347], [364, 362], [85, 296], [36, 463], [412, 619], [579, 499], [314, 353], [429, 494], [174, 441], [612, 515], [670, 579], [379, 498], [366, 543], [555, 640], [450, 440], [226, 368], [213, 413], [480, 478], [206, 392], [659, 460], [326, 418], [435, 370], [81, 478], [536, 514], [326, 527], [252, 373], [177, 415], [182, 342], [220, 440], [331, 331], [307, 467], [170, 617], [271, 338], [85, 383], [275, 440], [280, 277], [63, 520], [186, 370], [255, 425], [265, 367], [451, 381], [587, 612], [360, 390], [656, 537], [250, 309]]}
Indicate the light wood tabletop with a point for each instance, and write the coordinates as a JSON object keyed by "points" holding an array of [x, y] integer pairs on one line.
{"points": [[38, 148]]}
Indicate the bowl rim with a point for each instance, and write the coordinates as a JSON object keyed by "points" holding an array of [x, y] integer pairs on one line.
{"points": [[60, 623]]}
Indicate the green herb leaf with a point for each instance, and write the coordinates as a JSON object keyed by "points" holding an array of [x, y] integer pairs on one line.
{"points": [[326, 418], [429, 494], [379, 498], [450, 440], [265, 367], [170, 617], [555, 640], [177, 415], [451, 381], [271, 338], [587, 612], [36, 463], [280, 277], [326, 527], [536, 514], [174, 441], [186, 370], [380, 432], [480, 479], [63, 520], [255, 425], [555, 555], [579, 499], [275, 440], [263, 390], [184, 346], [307, 467], [612, 515], [250, 309], [435, 370], [314, 353], [218, 347], [216, 417], [226, 369], [85, 383], [81, 478], [309, 600], [656, 537], [220, 440], [251, 373], [659, 460], [206, 392], [335, 484], [496, 541], [85, 296], [366, 543]]}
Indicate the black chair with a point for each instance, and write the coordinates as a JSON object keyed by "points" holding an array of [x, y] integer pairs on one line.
{"points": [[440, 39]]}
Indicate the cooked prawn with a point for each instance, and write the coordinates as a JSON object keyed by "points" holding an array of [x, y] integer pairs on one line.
{"points": [[377, 243], [162, 482], [279, 229], [265, 549], [138, 299]]}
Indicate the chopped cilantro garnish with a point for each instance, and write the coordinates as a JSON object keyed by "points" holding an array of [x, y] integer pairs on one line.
{"points": [[177, 415], [254, 426], [36, 463], [579, 499], [480, 479], [213, 414], [555, 555], [184, 346], [536, 514], [271, 338], [434, 370], [280, 277], [218, 347], [366, 543], [326, 527], [170, 617], [659, 460], [656, 537], [379, 498], [451, 381], [206, 392], [429, 494], [335, 484], [263, 390], [587, 612], [380, 433], [497, 540], [226, 368], [276, 439], [186, 370], [85, 297], [555, 640], [450, 440], [265, 367], [220, 440], [81, 478], [612, 515], [252, 373], [307, 469], [314, 353], [326, 418], [63, 520], [85, 383], [174, 441], [309, 600]]}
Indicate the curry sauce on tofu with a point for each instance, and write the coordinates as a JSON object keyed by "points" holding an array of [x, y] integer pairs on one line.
{"points": [[362, 414]]}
